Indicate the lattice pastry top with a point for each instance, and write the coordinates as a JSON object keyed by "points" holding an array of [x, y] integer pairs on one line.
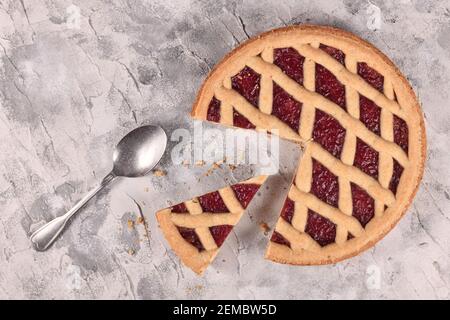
{"points": [[358, 118], [196, 229]]}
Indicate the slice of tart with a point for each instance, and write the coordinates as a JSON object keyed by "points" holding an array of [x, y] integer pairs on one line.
{"points": [[197, 228], [359, 120]]}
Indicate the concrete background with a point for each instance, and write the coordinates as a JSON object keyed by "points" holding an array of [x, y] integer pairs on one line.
{"points": [[76, 75]]}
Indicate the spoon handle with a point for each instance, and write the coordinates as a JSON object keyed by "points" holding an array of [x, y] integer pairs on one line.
{"points": [[47, 234]]}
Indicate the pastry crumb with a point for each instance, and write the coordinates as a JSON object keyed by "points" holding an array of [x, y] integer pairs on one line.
{"points": [[130, 224], [264, 227], [214, 166], [131, 252], [140, 220], [146, 189], [159, 173], [200, 163], [195, 288]]}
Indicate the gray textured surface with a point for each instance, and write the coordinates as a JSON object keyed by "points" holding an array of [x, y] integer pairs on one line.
{"points": [[67, 94]]}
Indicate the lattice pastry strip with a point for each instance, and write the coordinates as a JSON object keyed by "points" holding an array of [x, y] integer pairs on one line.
{"points": [[352, 110], [195, 229]]}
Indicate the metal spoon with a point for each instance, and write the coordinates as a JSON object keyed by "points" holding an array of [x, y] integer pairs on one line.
{"points": [[135, 155]]}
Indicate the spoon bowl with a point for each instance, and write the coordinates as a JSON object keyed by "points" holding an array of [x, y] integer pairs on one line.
{"points": [[134, 156], [139, 151]]}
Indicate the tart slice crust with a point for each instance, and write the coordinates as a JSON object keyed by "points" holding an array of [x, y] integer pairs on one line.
{"points": [[195, 229]]}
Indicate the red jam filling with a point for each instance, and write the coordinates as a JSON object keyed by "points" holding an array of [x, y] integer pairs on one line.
{"points": [[245, 192], [278, 238], [325, 184], [335, 53], [220, 233], [247, 84], [401, 139], [180, 208], [398, 170], [320, 228], [363, 205], [212, 202], [288, 210], [372, 77], [329, 133], [213, 113], [350, 236], [191, 236], [286, 108], [242, 122], [290, 62], [370, 114], [366, 159], [326, 82], [401, 133]]}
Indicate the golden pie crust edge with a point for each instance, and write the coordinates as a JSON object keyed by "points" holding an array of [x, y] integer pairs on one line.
{"points": [[408, 185], [188, 254]]}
